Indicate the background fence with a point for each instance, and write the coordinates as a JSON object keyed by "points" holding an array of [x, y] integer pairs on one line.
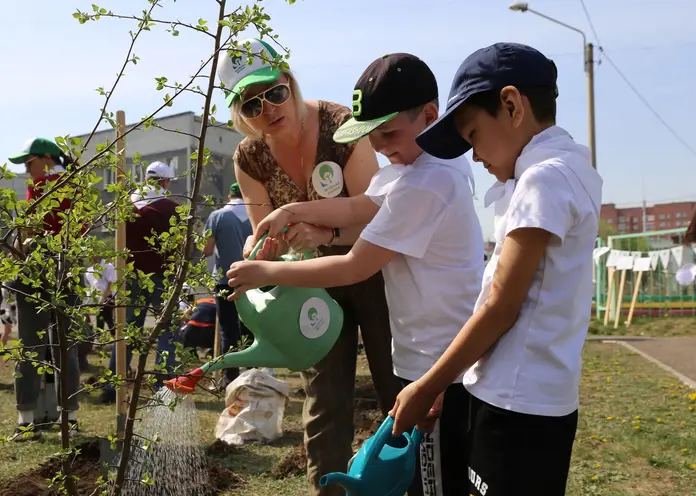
{"points": [[659, 294]]}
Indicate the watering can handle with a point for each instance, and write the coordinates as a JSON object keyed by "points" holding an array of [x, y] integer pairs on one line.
{"points": [[416, 436], [380, 438], [259, 244]]}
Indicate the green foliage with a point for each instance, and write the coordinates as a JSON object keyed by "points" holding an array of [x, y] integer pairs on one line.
{"points": [[53, 268]]}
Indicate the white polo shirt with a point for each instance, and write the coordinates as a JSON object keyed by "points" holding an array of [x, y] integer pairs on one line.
{"points": [[535, 367], [427, 215]]}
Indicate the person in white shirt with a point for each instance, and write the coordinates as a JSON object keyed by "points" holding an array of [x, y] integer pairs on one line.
{"points": [[99, 278], [423, 234], [521, 350]]}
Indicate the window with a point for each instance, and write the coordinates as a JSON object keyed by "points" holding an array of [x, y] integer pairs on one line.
{"points": [[661, 216], [662, 224], [651, 217], [174, 164], [634, 220], [678, 215], [622, 219], [610, 221]]}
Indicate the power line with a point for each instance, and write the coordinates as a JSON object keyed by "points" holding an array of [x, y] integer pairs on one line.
{"points": [[630, 85]]}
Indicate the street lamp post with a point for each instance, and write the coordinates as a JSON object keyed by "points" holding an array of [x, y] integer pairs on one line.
{"points": [[589, 71]]}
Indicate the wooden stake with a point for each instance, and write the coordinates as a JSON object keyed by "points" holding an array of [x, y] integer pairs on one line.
{"points": [[610, 287], [619, 298], [636, 290], [120, 317], [217, 344]]}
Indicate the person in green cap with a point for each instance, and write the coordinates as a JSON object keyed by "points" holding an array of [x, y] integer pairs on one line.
{"points": [[288, 155], [44, 162], [229, 227]]}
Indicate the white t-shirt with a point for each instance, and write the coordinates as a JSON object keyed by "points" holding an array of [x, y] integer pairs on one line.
{"points": [[535, 367], [427, 215], [99, 281]]}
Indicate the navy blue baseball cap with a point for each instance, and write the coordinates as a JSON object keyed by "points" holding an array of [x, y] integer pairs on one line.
{"points": [[490, 68]]}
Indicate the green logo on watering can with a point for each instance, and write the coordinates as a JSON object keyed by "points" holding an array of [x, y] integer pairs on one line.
{"points": [[315, 318], [327, 179]]}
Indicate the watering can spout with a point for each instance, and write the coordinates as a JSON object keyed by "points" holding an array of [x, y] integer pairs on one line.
{"points": [[352, 485]]}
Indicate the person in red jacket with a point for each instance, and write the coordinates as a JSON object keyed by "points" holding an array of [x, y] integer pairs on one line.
{"points": [[44, 161], [154, 211]]}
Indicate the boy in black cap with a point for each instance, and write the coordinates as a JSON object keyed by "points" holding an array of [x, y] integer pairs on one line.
{"points": [[422, 232], [522, 347]]}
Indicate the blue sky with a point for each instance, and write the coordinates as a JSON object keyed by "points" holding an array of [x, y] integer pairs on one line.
{"points": [[52, 65]]}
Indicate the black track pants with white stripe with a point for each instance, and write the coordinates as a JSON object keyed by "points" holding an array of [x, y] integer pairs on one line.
{"points": [[443, 454]]}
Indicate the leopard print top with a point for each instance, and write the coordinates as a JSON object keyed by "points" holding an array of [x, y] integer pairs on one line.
{"points": [[254, 157]]}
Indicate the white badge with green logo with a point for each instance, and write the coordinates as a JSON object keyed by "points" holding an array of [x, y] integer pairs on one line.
{"points": [[315, 318], [327, 179]]}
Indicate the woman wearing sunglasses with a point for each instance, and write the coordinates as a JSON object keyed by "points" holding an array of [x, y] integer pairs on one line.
{"points": [[289, 155]]}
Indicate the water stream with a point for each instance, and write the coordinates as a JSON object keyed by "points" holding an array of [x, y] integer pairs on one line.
{"points": [[174, 461]]}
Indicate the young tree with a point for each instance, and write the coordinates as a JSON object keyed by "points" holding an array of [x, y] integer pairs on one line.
{"points": [[53, 266]]}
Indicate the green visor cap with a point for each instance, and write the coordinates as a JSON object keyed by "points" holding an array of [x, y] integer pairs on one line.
{"points": [[36, 147], [353, 130]]}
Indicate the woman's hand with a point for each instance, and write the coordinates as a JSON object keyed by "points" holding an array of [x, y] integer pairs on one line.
{"points": [[271, 249], [416, 405], [274, 222], [304, 237], [247, 275]]}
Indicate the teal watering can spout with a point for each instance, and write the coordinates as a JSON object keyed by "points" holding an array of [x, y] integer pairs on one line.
{"points": [[384, 465], [351, 485], [293, 328]]}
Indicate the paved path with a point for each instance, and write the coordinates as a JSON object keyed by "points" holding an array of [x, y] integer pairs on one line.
{"points": [[676, 355]]}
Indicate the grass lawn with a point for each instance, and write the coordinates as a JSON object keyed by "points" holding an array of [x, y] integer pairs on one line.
{"points": [[654, 327], [637, 433]]}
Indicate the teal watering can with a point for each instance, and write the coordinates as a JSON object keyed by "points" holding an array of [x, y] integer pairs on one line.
{"points": [[293, 328], [384, 465]]}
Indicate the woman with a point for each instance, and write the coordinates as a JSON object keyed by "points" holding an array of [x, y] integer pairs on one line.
{"points": [[289, 155], [44, 162]]}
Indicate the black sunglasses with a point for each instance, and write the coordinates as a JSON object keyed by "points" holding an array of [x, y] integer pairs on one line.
{"points": [[277, 95]]}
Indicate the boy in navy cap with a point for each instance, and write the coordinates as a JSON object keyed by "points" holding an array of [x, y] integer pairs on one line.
{"points": [[521, 350], [423, 234]]}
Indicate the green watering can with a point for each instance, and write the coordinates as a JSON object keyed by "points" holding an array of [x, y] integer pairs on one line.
{"points": [[293, 328]]}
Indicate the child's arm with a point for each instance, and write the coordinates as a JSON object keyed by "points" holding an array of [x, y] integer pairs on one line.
{"points": [[330, 212], [363, 261]]}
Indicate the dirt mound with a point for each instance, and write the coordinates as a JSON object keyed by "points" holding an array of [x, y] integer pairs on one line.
{"points": [[87, 467], [221, 449], [366, 424], [294, 464]]}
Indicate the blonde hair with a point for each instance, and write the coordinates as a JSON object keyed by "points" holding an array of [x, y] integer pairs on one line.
{"points": [[240, 123]]}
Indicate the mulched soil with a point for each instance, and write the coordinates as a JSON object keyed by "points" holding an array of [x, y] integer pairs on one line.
{"points": [[87, 467], [367, 420]]}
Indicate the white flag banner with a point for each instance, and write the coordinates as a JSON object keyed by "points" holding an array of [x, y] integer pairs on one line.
{"points": [[665, 256], [678, 254], [625, 262], [641, 264], [654, 259], [637, 254], [611, 259], [598, 253]]}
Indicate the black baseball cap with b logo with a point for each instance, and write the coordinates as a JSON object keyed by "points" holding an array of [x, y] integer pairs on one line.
{"points": [[391, 84]]}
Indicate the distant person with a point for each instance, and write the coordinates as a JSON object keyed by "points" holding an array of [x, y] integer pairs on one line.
{"points": [[99, 293], [44, 162], [230, 227], [8, 313], [198, 324], [154, 212]]}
